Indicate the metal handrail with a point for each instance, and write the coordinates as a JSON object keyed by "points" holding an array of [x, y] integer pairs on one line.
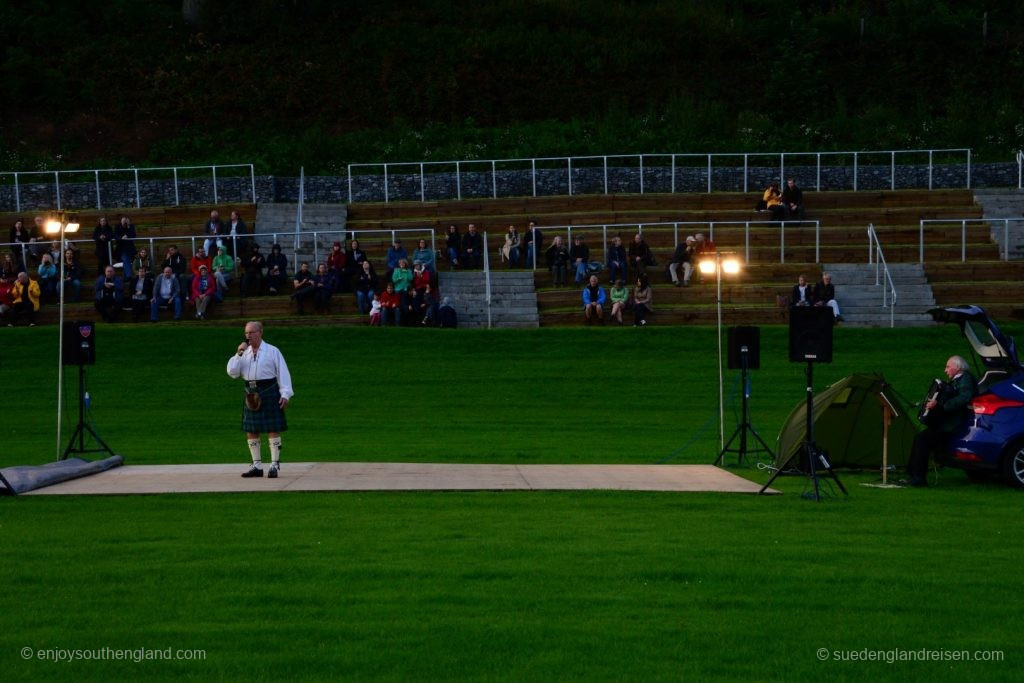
{"points": [[1020, 169], [135, 171], [711, 233], [963, 233], [876, 257], [643, 161]]}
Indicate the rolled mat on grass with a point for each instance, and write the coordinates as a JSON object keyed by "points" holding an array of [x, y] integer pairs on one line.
{"points": [[22, 478]]}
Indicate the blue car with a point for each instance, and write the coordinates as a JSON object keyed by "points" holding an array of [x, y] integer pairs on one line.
{"points": [[993, 442]]}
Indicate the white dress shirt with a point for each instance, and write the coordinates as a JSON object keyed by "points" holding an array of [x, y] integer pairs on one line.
{"points": [[268, 363]]}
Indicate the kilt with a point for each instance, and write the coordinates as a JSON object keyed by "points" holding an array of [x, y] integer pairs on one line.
{"points": [[270, 417]]}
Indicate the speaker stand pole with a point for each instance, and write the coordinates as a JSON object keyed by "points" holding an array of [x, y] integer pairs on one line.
{"points": [[745, 425], [82, 427], [808, 447]]}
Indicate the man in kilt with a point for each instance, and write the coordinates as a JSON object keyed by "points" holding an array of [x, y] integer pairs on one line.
{"points": [[268, 388]]}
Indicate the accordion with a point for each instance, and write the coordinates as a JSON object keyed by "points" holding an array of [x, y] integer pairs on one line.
{"points": [[935, 392]]}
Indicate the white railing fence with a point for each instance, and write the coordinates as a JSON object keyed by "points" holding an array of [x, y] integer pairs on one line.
{"points": [[963, 223], [408, 181], [694, 227], [883, 277], [133, 181]]}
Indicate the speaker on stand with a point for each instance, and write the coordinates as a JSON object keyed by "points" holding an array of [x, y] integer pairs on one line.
{"points": [[79, 349], [744, 355], [810, 341]]}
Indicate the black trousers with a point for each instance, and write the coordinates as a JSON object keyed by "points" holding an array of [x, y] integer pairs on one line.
{"points": [[925, 445]]}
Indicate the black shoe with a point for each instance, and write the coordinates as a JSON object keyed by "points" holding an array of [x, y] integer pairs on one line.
{"points": [[839, 319], [272, 474], [253, 472]]}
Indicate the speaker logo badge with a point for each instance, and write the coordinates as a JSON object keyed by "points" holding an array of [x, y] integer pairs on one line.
{"points": [[85, 331]]}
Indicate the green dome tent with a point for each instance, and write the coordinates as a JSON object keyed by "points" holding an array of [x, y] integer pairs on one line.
{"points": [[848, 425]]}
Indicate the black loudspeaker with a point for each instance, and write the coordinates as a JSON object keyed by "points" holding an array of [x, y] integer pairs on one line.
{"points": [[79, 343], [810, 334], [749, 337]]}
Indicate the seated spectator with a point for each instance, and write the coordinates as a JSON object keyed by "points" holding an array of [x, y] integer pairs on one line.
{"points": [[579, 256], [421, 277], [356, 258], [425, 255], [593, 301], [396, 252], [198, 260], [643, 299], [337, 266], [19, 236], [802, 294], [617, 263], [11, 267], [446, 314], [375, 311], [640, 255], [302, 287], [558, 261], [391, 306], [223, 270], [772, 201], [619, 295], [254, 263], [54, 251], [472, 248], [533, 241], [109, 291], [426, 305], [681, 258], [140, 292], [366, 286], [142, 260], [401, 277], [204, 290], [277, 270], [179, 266], [453, 244], [72, 275], [124, 234], [510, 250], [103, 237], [236, 242], [214, 229], [48, 278], [793, 201], [166, 294], [6, 300], [323, 287], [24, 300], [825, 295]]}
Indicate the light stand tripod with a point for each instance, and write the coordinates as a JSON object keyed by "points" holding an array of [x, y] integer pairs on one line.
{"points": [[82, 427], [815, 456], [744, 425]]}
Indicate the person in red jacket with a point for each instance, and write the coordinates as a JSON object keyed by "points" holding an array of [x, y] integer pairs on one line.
{"points": [[391, 306], [337, 265], [204, 288]]}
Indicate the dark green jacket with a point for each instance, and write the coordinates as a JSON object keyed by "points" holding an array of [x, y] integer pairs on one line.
{"points": [[955, 409]]}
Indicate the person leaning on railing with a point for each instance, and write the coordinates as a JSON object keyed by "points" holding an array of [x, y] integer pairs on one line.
{"points": [[102, 236], [124, 233]]}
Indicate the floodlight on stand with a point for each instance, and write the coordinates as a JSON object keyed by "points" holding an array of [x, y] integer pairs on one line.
{"points": [[53, 227], [707, 267], [730, 266]]}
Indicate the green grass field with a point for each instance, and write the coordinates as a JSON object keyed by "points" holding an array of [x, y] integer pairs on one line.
{"points": [[484, 586]]}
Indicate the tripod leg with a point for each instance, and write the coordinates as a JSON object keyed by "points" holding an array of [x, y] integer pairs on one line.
{"points": [[777, 472]]}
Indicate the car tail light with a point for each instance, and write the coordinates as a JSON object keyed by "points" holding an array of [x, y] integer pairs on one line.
{"points": [[990, 404], [970, 457]]}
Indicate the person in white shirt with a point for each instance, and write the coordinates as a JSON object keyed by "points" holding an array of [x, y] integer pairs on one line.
{"points": [[268, 389]]}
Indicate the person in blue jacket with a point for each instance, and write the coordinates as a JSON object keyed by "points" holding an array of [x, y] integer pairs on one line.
{"points": [[593, 301]]}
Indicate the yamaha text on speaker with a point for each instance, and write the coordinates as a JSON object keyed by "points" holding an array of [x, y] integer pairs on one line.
{"points": [[810, 334], [79, 343]]}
